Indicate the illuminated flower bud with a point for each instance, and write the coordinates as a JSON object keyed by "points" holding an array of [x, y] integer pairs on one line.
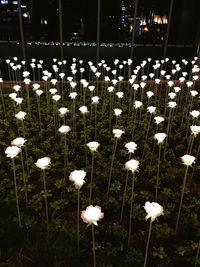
{"points": [[83, 109], [188, 160], [160, 137], [92, 215], [19, 142], [93, 146], [195, 129], [132, 165], [64, 129], [63, 111], [43, 163], [73, 95], [12, 151], [131, 147], [56, 97], [20, 115], [153, 210], [77, 177], [117, 133]]}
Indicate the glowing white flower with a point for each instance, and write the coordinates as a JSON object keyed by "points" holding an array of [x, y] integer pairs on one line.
{"points": [[158, 119], [45, 78], [193, 92], [117, 133], [153, 210], [64, 129], [170, 83], [20, 115], [91, 88], [177, 89], [26, 74], [63, 111], [151, 109], [83, 109], [93, 146], [73, 95], [39, 92], [114, 81], [53, 91], [53, 81], [12, 151], [195, 113], [19, 142], [13, 95], [144, 77], [117, 111], [157, 81], [131, 147], [160, 137], [18, 100], [189, 84], [149, 94], [195, 129], [188, 160], [110, 89], [132, 165], [36, 86], [16, 87], [69, 79], [77, 177], [43, 163], [62, 75], [172, 104], [138, 104], [73, 84], [120, 94], [92, 215], [142, 84], [56, 97], [95, 100], [162, 72], [172, 95], [135, 86]]}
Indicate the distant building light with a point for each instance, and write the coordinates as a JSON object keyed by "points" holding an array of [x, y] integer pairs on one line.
{"points": [[14, 2], [4, 2], [23, 6], [146, 29], [25, 15], [43, 21]]}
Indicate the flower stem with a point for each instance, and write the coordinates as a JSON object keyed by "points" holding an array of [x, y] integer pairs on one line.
{"points": [[16, 193], [197, 256], [111, 167], [45, 197], [65, 159], [91, 180], [131, 209], [93, 244], [78, 220], [147, 246], [23, 172], [181, 201], [124, 195], [158, 170]]}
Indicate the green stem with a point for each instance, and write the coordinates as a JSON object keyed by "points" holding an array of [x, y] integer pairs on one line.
{"points": [[16, 193]]}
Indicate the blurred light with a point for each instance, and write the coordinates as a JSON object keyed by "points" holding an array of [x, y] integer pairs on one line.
{"points": [[3, 2], [146, 29], [25, 15]]}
